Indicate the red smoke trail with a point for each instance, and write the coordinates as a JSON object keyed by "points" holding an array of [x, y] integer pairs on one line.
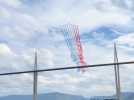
{"points": [[79, 47]]}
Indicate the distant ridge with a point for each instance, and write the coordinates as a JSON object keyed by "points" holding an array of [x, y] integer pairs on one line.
{"points": [[47, 96], [62, 96]]}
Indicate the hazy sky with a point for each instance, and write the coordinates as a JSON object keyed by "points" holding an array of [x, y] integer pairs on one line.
{"points": [[26, 24]]}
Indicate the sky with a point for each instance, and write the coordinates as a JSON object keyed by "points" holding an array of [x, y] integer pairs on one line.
{"points": [[25, 27]]}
